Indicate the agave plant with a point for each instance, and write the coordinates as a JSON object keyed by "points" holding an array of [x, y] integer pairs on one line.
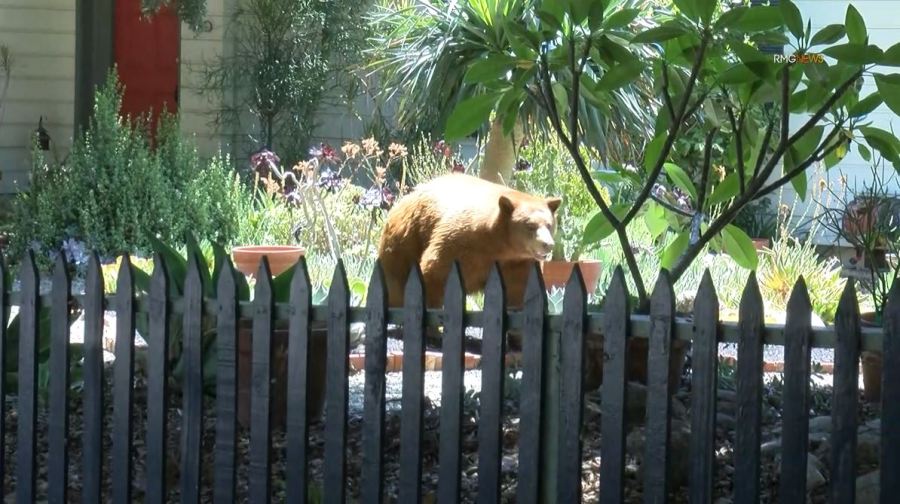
{"points": [[430, 55]]}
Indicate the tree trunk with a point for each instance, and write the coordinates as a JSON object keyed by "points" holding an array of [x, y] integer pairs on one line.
{"points": [[500, 153]]}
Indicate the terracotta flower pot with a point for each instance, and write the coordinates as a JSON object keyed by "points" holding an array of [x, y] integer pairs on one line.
{"points": [[871, 365], [760, 243], [557, 273], [281, 257]]}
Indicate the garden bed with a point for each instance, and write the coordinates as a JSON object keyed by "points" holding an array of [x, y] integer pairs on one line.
{"points": [[819, 426]]}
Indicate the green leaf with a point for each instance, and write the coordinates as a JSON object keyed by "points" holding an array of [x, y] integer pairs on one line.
{"points": [[828, 35], [176, 265], [619, 75], [281, 286], [726, 190], [792, 18], [856, 27], [738, 73], [489, 69], [652, 152], [671, 253], [864, 152], [799, 183], [730, 17], [193, 248], [866, 105], [854, 54], [757, 19], [469, 115], [803, 147], [882, 141], [889, 89], [660, 33], [620, 19], [740, 247], [891, 56], [655, 218], [598, 227], [681, 179]]}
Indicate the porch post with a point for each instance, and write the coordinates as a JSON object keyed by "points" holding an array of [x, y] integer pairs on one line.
{"points": [[93, 54]]}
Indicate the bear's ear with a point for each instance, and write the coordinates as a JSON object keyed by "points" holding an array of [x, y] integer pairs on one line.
{"points": [[554, 203], [506, 204]]}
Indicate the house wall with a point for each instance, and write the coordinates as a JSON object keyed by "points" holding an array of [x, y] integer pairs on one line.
{"points": [[40, 35], [883, 26], [41, 38]]}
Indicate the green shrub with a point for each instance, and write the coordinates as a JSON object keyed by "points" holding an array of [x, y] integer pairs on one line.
{"points": [[115, 191]]}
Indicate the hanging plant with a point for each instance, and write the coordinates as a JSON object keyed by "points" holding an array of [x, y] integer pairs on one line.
{"points": [[191, 12]]}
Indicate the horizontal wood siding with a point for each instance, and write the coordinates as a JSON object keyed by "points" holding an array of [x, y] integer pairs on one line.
{"points": [[40, 35]]}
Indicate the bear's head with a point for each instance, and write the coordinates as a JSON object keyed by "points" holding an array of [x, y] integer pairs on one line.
{"points": [[530, 223]]}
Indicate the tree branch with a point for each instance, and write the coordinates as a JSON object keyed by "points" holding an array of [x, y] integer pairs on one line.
{"points": [[670, 207], [816, 156], [738, 146], [704, 176], [763, 147], [673, 132]]}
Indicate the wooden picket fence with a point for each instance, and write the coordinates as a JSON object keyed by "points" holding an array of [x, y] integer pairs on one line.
{"points": [[549, 470]]}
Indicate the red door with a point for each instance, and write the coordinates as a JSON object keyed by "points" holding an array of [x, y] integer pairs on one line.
{"points": [[146, 55]]}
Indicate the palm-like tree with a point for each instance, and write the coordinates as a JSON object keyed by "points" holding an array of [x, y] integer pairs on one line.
{"points": [[425, 47]]}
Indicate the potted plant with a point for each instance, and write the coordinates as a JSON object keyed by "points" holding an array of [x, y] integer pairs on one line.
{"points": [[177, 267], [759, 222], [870, 223]]}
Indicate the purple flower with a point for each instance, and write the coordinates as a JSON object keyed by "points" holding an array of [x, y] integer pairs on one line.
{"points": [[442, 149], [377, 197], [329, 180], [264, 162], [523, 165], [458, 167], [324, 151]]}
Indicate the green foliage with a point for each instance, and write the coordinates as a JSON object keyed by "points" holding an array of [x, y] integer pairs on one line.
{"points": [[717, 143], [116, 193], [191, 12], [789, 259], [287, 54], [758, 219]]}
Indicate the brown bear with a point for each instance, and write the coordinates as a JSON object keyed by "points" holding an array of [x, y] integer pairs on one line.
{"points": [[464, 218]]}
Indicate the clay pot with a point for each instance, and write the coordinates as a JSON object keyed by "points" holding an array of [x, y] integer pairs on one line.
{"points": [[281, 258], [636, 366], [557, 273], [315, 392], [760, 243], [871, 364]]}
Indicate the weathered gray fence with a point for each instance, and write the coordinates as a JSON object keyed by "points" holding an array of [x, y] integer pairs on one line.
{"points": [[549, 402]]}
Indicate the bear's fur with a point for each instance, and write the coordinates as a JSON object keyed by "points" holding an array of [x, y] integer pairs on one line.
{"points": [[464, 218]]}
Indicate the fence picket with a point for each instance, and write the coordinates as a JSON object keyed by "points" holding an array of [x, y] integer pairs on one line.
{"points": [[92, 449], [373, 414], [157, 383], [58, 415], [890, 399], [192, 387], [336, 386], [411, 411], [452, 388], [535, 310], [656, 446], [568, 481], [845, 397], [226, 384], [795, 400], [4, 320], [615, 348], [123, 384], [26, 450], [749, 395], [704, 374], [492, 376], [261, 399], [299, 334]]}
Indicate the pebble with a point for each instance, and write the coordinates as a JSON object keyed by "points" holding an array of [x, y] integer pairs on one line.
{"points": [[725, 420], [820, 424], [868, 487]]}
